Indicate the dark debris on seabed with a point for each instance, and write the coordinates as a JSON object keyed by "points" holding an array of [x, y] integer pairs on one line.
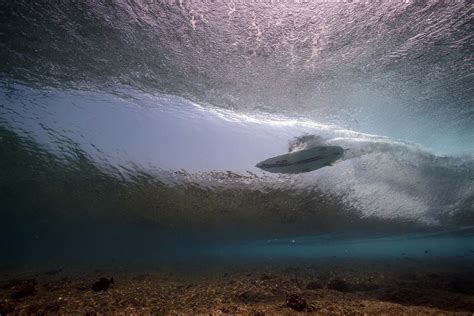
{"points": [[329, 288], [103, 284]]}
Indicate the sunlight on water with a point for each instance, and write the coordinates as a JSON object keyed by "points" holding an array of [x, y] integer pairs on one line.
{"points": [[277, 142]]}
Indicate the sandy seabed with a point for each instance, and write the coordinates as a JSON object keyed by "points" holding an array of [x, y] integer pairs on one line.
{"points": [[401, 286]]}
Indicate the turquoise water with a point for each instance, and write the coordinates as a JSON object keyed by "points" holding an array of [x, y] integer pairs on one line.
{"points": [[131, 131]]}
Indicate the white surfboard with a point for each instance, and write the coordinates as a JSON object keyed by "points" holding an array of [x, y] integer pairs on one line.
{"points": [[302, 161]]}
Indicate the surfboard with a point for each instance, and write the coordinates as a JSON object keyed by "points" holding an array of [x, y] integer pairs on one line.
{"points": [[302, 161]]}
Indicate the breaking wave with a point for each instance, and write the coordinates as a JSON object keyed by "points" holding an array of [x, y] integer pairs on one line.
{"points": [[154, 113]]}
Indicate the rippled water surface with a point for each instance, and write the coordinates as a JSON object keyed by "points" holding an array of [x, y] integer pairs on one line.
{"points": [[136, 126]]}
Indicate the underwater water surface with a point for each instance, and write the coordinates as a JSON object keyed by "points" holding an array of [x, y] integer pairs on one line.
{"points": [[131, 130]]}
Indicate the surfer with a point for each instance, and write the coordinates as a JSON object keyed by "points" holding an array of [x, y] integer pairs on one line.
{"points": [[304, 142]]}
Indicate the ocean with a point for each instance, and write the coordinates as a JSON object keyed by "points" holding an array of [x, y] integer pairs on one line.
{"points": [[130, 131]]}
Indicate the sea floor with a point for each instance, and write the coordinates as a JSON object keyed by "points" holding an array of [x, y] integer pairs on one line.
{"points": [[402, 286]]}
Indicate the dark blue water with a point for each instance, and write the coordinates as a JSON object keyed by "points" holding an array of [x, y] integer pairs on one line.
{"points": [[130, 130]]}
